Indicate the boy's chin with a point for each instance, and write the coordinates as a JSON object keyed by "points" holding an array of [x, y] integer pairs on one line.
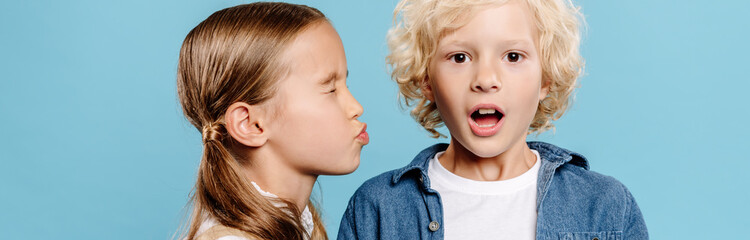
{"points": [[486, 153], [486, 148]]}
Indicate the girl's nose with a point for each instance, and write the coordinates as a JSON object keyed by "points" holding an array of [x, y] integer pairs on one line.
{"points": [[354, 109]]}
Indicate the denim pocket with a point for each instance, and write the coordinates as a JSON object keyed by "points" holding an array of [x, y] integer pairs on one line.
{"points": [[604, 235]]}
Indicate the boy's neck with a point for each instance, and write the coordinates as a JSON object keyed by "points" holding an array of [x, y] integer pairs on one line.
{"points": [[513, 162]]}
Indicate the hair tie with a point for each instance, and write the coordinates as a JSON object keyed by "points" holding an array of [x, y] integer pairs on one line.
{"points": [[211, 132]]}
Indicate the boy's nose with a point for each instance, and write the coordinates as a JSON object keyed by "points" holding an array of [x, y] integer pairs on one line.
{"points": [[486, 79]]}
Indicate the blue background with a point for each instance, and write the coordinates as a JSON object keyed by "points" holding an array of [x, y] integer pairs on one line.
{"points": [[94, 146]]}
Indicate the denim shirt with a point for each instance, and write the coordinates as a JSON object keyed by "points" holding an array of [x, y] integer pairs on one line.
{"points": [[572, 202]]}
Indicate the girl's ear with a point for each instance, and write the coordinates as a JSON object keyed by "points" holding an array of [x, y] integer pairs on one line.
{"points": [[427, 89], [245, 123]]}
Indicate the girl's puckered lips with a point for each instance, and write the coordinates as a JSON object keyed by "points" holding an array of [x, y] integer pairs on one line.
{"points": [[363, 136], [485, 119]]}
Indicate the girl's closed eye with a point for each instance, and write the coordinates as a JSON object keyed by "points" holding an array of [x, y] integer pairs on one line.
{"points": [[332, 89]]}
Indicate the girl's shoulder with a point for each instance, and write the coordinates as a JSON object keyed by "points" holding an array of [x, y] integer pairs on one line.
{"points": [[212, 230]]}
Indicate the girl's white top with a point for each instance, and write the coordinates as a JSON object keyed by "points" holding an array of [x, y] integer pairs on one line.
{"points": [[307, 220]]}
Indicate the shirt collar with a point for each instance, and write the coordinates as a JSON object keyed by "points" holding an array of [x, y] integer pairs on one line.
{"points": [[547, 152], [420, 162]]}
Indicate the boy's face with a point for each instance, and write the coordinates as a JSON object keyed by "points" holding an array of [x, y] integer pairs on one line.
{"points": [[486, 79]]}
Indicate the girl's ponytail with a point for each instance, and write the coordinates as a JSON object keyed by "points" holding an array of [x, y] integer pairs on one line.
{"points": [[225, 193]]}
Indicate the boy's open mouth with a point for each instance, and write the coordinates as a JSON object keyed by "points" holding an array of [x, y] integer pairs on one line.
{"points": [[486, 117]]}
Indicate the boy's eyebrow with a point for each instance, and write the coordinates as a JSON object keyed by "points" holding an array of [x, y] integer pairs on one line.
{"points": [[515, 42], [509, 42]]}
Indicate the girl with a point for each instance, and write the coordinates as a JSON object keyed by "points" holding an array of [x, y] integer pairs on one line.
{"points": [[265, 84]]}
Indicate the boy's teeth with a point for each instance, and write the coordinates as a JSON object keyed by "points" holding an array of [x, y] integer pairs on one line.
{"points": [[486, 111], [486, 125]]}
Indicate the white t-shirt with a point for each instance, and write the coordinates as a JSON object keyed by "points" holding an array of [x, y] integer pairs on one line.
{"points": [[486, 209], [307, 220]]}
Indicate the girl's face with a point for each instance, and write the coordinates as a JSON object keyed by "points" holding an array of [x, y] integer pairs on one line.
{"points": [[486, 79], [315, 129]]}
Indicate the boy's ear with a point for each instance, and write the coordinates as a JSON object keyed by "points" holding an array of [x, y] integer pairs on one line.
{"points": [[544, 90], [245, 123], [427, 89]]}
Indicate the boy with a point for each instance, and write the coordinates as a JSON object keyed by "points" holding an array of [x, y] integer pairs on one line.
{"points": [[492, 72]]}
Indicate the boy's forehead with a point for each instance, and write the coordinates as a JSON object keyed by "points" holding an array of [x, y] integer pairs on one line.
{"points": [[512, 21]]}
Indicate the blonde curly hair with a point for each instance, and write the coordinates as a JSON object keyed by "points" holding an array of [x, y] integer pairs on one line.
{"points": [[419, 25]]}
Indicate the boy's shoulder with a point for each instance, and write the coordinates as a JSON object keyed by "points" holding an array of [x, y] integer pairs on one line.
{"points": [[573, 169], [390, 185], [585, 184], [377, 187], [396, 183], [575, 192], [575, 186]]}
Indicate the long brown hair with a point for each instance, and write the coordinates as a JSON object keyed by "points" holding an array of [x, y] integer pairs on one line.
{"points": [[232, 56]]}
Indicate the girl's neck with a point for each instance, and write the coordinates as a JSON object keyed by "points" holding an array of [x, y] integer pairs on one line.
{"points": [[511, 163], [282, 181]]}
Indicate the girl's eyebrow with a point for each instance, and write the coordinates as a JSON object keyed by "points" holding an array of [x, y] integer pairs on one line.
{"points": [[331, 77], [327, 80]]}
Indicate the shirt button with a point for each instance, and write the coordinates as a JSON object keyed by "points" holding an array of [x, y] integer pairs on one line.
{"points": [[434, 226], [595, 238], [421, 179]]}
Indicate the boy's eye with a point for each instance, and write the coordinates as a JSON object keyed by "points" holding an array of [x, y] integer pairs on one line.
{"points": [[459, 58], [513, 57]]}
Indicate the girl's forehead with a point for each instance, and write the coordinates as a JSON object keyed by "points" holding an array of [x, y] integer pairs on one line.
{"points": [[317, 47], [315, 56]]}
